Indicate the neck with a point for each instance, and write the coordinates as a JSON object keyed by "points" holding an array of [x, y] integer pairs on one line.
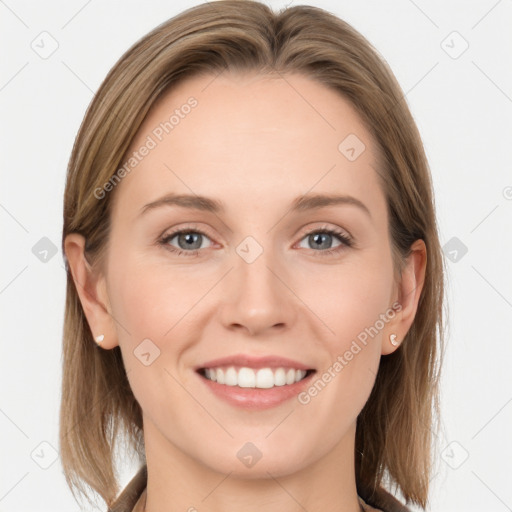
{"points": [[178, 482]]}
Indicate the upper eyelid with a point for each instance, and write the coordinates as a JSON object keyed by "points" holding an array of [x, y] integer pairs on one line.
{"points": [[327, 228], [194, 229], [186, 229]]}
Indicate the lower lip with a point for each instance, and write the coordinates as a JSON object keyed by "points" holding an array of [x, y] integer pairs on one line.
{"points": [[256, 398]]}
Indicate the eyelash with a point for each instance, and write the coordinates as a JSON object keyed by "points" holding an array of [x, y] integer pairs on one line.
{"points": [[345, 240]]}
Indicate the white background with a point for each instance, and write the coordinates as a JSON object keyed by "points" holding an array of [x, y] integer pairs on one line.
{"points": [[463, 108]]}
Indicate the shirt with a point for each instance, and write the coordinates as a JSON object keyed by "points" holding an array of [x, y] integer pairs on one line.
{"points": [[133, 498]]}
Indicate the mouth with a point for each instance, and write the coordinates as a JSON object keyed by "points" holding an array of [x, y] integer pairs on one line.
{"points": [[255, 378]]}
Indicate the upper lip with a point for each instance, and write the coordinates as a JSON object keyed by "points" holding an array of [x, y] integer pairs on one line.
{"points": [[271, 361]]}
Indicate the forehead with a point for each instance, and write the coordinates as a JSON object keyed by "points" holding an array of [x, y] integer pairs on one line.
{"points": [[250, 135]]}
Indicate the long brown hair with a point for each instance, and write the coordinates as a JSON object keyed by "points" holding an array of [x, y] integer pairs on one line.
{"points": [[395, 429]]}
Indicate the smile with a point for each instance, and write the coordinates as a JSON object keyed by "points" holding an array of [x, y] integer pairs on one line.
{"points": [[262, 378]]}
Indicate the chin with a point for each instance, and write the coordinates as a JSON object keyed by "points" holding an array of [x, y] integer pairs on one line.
{"points": [[251, 461]]}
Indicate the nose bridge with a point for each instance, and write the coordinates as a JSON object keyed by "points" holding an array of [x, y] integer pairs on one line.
{"points": [[258, 299]]}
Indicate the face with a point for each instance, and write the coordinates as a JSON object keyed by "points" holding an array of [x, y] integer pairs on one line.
{"points": [[258, 275]]}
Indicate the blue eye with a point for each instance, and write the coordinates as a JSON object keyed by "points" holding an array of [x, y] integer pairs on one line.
{"points": [[320, 238], [190, 241]]}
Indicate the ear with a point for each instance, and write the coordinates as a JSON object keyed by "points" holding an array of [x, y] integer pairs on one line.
{"points": [[408, 296], [92, 291]]}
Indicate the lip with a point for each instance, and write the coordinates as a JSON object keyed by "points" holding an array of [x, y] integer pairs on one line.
{"points": [[239, 360], [255, 398]]}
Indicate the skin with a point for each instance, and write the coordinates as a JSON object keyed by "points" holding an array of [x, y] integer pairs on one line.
{"points": [[255, 143]]}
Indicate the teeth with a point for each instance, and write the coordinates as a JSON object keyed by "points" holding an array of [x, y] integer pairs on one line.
{"points": [[263, 378]]}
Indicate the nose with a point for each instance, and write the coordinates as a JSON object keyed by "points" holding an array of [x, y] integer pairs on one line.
{"points": [[257, 298]]}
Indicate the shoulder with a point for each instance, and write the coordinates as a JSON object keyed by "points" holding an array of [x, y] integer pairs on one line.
{"points": [[381, 500], [132, 496]]}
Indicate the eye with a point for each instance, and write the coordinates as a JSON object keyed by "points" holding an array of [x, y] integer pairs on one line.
{"points": [[324, 238], [188, 241]]}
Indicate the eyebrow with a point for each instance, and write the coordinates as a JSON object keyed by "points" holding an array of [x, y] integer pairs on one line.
{"points": [[299, 204]]}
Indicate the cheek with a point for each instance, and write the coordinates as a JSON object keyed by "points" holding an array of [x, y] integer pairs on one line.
{"points": [[349, 301], [348, 298], [152, 305], [149, 299]]}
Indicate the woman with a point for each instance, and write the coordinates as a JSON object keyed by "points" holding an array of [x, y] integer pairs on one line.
{"points": [[255, 280]]}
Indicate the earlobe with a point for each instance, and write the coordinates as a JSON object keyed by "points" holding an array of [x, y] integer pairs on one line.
{"points": [[409, 291], [91, 289]]}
